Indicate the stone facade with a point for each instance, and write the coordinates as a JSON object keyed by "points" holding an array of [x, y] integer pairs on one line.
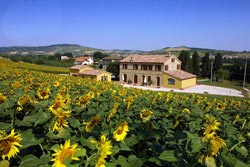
{"points": [[150, 70]]}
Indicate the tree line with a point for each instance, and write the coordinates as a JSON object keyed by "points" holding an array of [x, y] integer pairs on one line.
{"points": [[214, 67]]}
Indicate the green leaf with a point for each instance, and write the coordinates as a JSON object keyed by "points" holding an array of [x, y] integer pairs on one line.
{"points": [[62, 133], [80, 153], [31, 160], [41, 117], [156, 160], [86, 142], [242, 150], [4, 163], [122, 161], [55, 146], [196, 143], [29, 139], [134, 161], [124, 147], [232, 161], [168, 156], [115, 150], [4, 126], [75, 123]]}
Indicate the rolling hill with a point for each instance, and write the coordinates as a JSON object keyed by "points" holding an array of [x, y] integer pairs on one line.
{"points": [[81, 50]]}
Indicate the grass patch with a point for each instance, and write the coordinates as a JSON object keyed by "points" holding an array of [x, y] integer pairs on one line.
{"points": [[226, 83]]}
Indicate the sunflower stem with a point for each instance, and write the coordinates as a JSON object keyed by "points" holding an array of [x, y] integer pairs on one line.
{"points": [[42, 148], [88, 160]]}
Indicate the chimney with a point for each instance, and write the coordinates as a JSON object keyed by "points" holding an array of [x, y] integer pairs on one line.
{"points": [[131, 59]]}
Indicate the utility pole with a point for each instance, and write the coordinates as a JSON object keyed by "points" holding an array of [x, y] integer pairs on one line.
{"points": [[212, 70], [245, 71]]}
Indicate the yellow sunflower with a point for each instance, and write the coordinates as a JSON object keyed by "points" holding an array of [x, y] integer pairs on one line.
{"points": [[65, 151], [89, 125], [145, 115], [56, 83], [113, 111], [58, 104], [2, 98], [121, 132], [9, 144], [104, 151], [61, 119], [186, 110], [43, 93]]}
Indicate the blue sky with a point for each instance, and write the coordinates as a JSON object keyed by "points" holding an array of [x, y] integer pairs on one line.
{"points": [[127, 24]]}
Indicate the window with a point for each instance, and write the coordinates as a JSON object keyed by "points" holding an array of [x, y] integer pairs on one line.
{"points": [[172, 60], [166, 67], [124, 66], [135, 67], [149, 79], [104, 78], [124, 77], [178, 66], [157, 67], [150, 67], [171, 81], [144, 67]]}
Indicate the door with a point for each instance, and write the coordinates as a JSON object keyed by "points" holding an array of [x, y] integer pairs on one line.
{"points": [[135, 79], [158, 81]]}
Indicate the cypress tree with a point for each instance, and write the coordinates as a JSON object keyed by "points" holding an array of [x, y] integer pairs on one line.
{"points": [[196, 63], [205, 66]]}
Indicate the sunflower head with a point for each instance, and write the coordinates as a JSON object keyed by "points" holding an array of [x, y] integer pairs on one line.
{"points": [[9, 144], [65, 151], [2, 98], [104, 151], [145, 115], [121, 132], [43, 93], [93, 121]]}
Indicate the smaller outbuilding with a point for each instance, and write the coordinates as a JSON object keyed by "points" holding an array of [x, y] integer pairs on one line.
{"points": [[178, 79], [85, 71]]}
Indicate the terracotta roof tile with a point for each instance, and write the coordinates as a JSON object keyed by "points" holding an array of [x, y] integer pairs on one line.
{"points": [[179, 74], [145, 58], [78, 67], [81, 59], [92, 72]]}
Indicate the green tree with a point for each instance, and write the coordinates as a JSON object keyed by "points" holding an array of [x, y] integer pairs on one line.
{"points": [[196, 63], [99, 55], [222, 74], [217, 62], [113, 67], [184, 57], [205, 66]]}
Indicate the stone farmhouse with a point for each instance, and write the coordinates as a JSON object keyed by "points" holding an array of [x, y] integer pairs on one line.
{"points": [[85, 71], [155, 70]]}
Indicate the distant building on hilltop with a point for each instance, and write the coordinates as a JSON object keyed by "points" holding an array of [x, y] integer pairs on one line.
{"points": [[84, 60]]}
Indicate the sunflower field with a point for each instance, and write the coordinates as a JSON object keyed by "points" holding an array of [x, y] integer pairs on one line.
{"points": [[61, 121]]}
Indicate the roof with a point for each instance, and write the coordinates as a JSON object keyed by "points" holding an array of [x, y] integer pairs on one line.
{"points": [[145, 58], [92, 72], [82, 59], [112, 58], [179, 74], [78, 67]]}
